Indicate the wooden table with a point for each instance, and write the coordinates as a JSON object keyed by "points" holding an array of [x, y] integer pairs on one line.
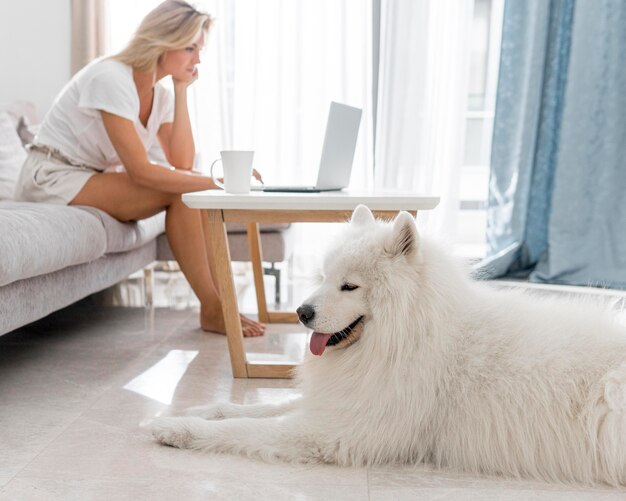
{"points": [[219, 208]]}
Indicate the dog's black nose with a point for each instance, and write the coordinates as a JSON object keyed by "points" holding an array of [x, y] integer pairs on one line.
{"points": [[306, 312]]}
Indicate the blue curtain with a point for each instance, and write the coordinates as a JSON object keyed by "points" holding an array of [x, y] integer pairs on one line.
{"points": [[557, 194]]}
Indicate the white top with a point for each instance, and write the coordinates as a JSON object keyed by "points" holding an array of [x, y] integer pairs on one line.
{"points": [[329, 200], [74, 125]]}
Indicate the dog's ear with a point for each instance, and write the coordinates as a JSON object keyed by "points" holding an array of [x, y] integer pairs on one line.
{"points": [[362, 216], [404, 239]]}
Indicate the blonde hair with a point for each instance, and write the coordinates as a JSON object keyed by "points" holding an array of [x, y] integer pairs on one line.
{"points": [[172, 25]]}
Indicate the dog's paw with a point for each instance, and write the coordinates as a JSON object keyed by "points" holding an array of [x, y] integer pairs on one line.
{"points": [[215, 411], [174, 431]]}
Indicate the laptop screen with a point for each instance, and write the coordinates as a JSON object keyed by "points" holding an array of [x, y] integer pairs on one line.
{"points": [[340, 139]]}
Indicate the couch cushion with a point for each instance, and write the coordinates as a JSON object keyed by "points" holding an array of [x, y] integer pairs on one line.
{"points": [[26, 131], [40, 238], [122, 237], [12, 156], [19, 109]]}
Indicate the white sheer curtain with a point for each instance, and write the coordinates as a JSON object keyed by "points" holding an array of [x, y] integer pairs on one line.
{"points": [[422, 101], [273, 66]]}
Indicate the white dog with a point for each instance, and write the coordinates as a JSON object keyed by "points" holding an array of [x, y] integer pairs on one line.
{"points": [[417, 363]]}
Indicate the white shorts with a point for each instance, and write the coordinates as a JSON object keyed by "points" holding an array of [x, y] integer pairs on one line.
{"points": [[46, 179]]}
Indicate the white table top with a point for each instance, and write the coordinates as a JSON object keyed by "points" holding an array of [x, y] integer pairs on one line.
{"points": [[330, 200]]}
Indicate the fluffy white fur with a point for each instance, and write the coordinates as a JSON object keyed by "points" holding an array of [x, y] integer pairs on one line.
{"points": [[446, 370]]}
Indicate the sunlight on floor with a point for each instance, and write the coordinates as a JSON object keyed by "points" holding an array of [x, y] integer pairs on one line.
{"points": [[159, 382]]}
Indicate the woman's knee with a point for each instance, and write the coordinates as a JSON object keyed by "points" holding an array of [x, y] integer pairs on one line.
{"points": [[177, 199], [168, 199], [151, 204]]}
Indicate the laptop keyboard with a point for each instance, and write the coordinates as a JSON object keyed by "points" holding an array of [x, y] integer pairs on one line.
{"points": [[291, 189]]}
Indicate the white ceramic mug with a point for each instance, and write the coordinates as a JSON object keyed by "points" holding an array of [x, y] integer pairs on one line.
{"points": [[237, 171]]}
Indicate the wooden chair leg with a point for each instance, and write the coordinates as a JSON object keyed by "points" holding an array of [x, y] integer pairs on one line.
{"points": [[274, 272], [148, 286]]}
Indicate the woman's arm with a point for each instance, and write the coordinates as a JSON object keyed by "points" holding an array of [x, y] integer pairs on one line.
{"points": [[133, 155], [176, 138]]}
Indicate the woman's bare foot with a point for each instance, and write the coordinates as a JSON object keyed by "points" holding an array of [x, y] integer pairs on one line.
{"points": [[255, 328], [214, 322]]}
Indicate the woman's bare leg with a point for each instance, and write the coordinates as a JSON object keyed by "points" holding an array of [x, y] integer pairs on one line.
{"points": [[117, 195], [185, 235]]}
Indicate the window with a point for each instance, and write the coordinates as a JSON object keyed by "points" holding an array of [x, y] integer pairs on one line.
{"points": [[483, 77]]}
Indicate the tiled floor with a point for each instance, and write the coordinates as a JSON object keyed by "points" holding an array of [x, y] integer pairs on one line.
{"points": [[75, 387]]}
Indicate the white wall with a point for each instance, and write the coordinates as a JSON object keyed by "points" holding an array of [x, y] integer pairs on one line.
{"points": [[34, 50]]}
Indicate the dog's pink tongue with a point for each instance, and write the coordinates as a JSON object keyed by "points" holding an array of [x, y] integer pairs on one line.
{"points": [[318, 342]]}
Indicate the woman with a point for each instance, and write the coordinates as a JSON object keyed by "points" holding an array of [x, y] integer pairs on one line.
{"points": [[110, 114]]}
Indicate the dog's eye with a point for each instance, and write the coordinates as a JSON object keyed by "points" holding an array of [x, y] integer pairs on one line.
{"points": [[349, 287]]}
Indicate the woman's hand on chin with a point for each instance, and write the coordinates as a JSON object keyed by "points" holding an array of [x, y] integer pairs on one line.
{"points": [[182, 84]]}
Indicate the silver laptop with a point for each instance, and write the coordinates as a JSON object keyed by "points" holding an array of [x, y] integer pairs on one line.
{"points": [[335, 167]]}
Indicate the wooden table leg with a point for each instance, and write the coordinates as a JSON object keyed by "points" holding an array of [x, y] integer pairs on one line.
{"points": [[256, 256], [217, 241]]}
